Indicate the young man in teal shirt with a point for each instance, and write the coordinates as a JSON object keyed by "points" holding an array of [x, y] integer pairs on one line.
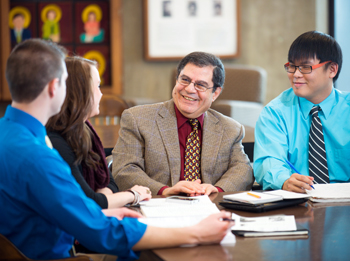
{"points": [[282, 132]]}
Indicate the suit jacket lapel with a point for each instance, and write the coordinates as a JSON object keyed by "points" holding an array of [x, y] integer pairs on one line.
{"points": [[212, 136], [167, 125]]}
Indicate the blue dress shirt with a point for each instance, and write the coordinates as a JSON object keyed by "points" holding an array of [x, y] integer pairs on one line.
{"points": [[282, 132], [43, 208]]}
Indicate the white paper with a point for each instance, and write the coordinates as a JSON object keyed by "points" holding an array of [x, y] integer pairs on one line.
{"points": [[264, 224], [337, 192], [160, 213], [287, 194]]}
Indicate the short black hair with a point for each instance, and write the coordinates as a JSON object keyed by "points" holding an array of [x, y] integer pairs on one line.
{"points": [[314, 44], [202, 59], [31, 66]]}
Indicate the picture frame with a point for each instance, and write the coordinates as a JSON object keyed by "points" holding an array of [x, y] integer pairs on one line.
{"points": [[174, 28]]}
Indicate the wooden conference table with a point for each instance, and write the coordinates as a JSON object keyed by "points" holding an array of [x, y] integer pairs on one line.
{"points": [[329, 239]]}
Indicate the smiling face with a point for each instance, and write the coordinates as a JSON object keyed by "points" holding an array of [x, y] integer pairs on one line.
{"points": [[316, 86], [190, 102]]}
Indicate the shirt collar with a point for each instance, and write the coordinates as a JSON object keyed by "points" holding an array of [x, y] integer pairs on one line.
{"points": [[23, 118], [326, 105], [182, 119]]}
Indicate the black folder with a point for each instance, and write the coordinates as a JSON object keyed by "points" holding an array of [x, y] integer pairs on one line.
{"points": [[262, 207]]}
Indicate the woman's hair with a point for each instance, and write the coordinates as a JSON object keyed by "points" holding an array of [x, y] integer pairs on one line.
{"points": [[76, 109]]}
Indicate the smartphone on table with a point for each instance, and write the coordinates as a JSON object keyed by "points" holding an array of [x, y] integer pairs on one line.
{"points": [[182, 200]]}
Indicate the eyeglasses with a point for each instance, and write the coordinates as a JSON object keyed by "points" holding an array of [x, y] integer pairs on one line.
{"points": [[185, 81], [304, 69]]}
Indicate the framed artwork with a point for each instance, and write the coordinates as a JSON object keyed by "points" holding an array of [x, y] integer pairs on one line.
{"points": [[174, 28], [65, 22]]}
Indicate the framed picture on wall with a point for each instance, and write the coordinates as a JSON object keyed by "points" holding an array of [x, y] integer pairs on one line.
{"points": [[174, 28]]}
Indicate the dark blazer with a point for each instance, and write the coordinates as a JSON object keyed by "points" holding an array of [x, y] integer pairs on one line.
{"points": [[148, 152], [25, 35]]}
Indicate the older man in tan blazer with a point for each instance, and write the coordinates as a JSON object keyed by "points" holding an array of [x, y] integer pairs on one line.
{"points": [[153, 138]]}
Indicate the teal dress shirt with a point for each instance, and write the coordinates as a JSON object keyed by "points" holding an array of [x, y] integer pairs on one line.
{"points": [[282, 132]]}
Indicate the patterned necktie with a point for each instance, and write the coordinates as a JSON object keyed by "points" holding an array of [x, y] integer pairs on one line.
{"points": [[193, 153], [317, 153]]}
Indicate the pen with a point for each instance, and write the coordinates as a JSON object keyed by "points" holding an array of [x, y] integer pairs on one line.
{"points": [[228, 219], [253, 195], [293, 168]]}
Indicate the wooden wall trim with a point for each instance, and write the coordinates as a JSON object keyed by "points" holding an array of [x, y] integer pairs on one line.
{"points": [[4, 49], [116, 48]]}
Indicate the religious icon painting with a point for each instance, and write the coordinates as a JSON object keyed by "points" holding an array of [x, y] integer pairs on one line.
{"points": [[92, 22], [21, 22], [56, 22], [100, 54]]}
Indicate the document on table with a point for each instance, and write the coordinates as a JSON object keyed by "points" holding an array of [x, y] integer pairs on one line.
{"points": [[264, 224], [160, 213], [336, 192]]}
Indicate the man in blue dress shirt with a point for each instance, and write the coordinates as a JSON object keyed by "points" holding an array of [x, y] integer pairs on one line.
{"points": [[43, 208], [282, 131]]}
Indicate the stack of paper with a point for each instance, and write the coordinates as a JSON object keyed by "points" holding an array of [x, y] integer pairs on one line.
{"points": [[337, 192], [160, 213]]}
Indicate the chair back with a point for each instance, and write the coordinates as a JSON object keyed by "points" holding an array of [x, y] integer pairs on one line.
{"points": [[9, 251], [244, 83], [111, 109]]}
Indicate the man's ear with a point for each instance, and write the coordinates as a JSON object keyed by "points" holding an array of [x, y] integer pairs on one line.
{"points": [[333, 70], [52, 87], [216, 93]]}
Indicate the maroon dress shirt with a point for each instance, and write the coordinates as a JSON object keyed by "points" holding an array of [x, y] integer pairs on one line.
{"points": [[184, 129]]}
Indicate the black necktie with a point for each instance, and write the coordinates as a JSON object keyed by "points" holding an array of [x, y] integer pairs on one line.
{"points": [[318, 167]]}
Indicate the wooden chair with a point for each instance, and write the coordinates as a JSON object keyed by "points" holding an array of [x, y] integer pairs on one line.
{"points": [[111, 109], [244, 93], [9, 251]]}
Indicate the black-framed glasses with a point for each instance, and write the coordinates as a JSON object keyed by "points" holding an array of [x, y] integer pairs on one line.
{"points": [[199, 86], [304, 69]]}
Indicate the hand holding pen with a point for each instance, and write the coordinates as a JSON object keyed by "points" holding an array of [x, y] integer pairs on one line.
{"points": [[297, 181]]}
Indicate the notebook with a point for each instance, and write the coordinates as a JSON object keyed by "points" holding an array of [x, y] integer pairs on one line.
{"points": [[253, 198]]}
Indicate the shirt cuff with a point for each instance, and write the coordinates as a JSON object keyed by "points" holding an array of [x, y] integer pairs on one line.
{"points": [[220, 189], [160, 192]]}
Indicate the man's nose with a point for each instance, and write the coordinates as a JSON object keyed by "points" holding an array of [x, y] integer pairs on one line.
{"points": [[190, 88]]}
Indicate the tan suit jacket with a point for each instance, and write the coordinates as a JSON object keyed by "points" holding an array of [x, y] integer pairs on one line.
{"points": [[148, 152]]}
